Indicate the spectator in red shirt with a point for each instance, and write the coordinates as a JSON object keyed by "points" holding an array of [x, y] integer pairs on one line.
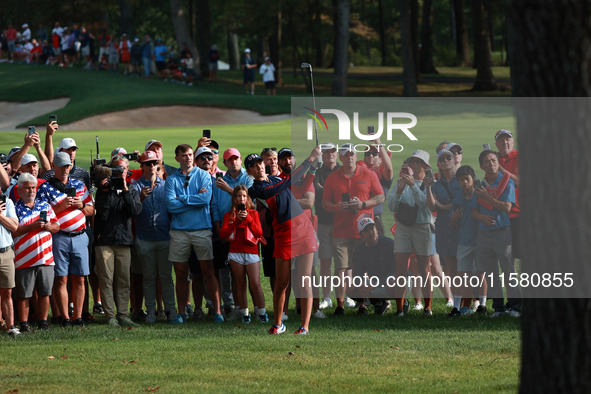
{"points": [[242, 227], [509, 164], [349, 193]]}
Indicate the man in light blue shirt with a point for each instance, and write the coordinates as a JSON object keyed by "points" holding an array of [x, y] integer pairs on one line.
{"points": [[152, 239], [188, 195]]}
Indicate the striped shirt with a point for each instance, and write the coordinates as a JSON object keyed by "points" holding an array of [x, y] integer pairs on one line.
{"points": [[33, 248], [70, 219], [75, 173]]}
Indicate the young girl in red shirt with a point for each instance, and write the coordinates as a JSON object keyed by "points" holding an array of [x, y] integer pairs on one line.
{"points": [[242, 227]]}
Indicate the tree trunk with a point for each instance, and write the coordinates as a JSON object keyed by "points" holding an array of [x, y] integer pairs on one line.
{"points": [[341, 48], [318, 42], [276, 56], [382, 33], [181, 30], [414, 34], [232, 45], [549, 50], [426, 55], [203, 29], [126, 18], [408, 65], [482, 57], [461, 34]]}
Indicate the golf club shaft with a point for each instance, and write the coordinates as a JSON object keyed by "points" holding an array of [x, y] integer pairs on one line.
{"points": [[314, 102]]}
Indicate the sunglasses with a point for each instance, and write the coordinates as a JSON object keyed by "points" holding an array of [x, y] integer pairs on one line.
{"points": [[267, 150], [150, 163], [457, 152], [215, 151], [371, 154], [206, 157], [444, 158], [187, 180]]}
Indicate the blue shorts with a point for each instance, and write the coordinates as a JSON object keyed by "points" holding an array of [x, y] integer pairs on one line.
{"points": [[70, 255]]}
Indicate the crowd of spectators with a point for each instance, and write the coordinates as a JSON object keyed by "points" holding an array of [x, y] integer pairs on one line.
{"points": [[96, 50], [100, 50], [59, 237]]}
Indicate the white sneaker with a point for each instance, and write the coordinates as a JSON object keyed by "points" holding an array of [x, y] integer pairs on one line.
{"points": [[319, 314], [325, 303], [449, 303], [284, 317], [475, 305], [349, 303], [13, 332], [418, 307], [151, 318]]}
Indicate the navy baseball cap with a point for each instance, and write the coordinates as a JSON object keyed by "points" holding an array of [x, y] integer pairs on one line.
{"points": [[284, 152], [251, 160]]}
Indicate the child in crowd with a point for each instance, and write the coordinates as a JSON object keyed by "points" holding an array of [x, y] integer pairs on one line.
{"points": [[241, 226]]}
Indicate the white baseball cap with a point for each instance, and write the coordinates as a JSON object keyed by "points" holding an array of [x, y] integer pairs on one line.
{"points": [[28, 158], [247, 50], [67, 143], [202, 150], [363, 223], [421, 154]]}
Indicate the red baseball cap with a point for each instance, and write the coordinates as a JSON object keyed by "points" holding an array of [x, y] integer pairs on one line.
{"points": [[148, 156], [231, 152]]}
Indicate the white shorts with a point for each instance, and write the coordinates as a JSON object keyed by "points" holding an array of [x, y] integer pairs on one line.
{"points": [[244, 258]]}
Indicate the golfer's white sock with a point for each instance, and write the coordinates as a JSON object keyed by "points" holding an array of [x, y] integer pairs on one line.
{"points": [[262, 311], [482, 300], [457, 302], [244, 311]]}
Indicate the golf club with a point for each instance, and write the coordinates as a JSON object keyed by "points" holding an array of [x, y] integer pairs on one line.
{"points": [[308, 65]]}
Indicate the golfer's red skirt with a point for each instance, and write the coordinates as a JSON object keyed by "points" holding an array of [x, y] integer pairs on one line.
{"points": [[294, 238]]}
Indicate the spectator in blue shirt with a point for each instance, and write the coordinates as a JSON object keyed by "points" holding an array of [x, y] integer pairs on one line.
{"points": [[495, 200], [147, 55], [152, 238], [188, 195], [160, 52]]}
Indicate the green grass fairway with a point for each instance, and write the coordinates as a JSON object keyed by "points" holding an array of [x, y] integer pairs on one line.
{"points": [[351, 353]]}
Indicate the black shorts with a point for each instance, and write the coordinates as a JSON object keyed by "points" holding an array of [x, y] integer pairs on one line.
{"points": [[270, 85], [268, 259], [160, 66], [248, 76], [136, 61], [220, 254]]}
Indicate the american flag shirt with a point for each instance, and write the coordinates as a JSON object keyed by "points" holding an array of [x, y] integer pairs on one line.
{"points": [[70, 219], [33, 248]]}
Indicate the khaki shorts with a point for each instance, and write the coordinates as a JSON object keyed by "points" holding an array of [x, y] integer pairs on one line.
{"points": [[325, 241], [181, 243], [7, 269], [343, 249], [409, 238]]}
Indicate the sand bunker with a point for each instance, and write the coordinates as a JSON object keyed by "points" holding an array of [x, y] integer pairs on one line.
{"points": [[12, 114]]}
